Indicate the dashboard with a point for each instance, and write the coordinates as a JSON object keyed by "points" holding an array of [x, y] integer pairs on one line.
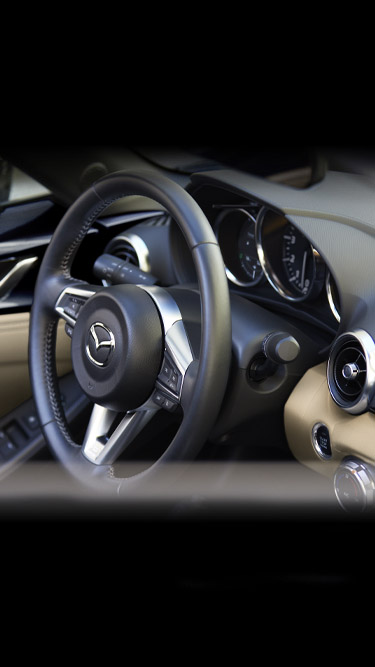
{"points": [[259, 244], [298, 259], [267, 258], [290, 253]]}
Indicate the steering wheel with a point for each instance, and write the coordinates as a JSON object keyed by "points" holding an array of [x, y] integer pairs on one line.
{"points": [[131, 353]]}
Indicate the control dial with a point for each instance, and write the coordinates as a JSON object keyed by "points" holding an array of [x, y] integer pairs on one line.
{"points": [[354, 485]]}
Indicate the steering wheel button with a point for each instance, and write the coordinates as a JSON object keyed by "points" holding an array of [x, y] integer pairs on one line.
{"points": [[68, 330], [71, 312], [159, 398], [169, 405], [166, 371], [172, 383], [73, 306]]}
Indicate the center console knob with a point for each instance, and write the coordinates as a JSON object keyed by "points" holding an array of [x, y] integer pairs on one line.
{"points": [[354, 485]]}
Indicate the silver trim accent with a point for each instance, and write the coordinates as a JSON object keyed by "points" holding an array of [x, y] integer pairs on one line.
{"points": [[111, 343], [270, 274], [228, 272], [166, 305], [177, 344], [97, 447], [74, 291], [14, 275], [330, 298], [362, 403], [140, 248], [315, 443]]}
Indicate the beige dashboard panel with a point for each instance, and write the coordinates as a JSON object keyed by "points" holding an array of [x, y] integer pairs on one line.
{"points": [[14, 373], [310, 403]]}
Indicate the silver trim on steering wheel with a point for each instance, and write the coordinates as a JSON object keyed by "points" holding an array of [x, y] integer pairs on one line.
{"points": [[102, 447]]}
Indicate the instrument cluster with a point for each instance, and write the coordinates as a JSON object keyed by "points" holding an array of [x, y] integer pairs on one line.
{"points": [[260, 244]]}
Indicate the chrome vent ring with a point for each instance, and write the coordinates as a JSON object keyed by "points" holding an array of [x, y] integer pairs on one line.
{"points": [[350, 371]]}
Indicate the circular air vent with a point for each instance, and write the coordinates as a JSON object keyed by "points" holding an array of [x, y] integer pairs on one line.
{"points": [[350, 371], [351, 377], [124, 250], [131, 248]]}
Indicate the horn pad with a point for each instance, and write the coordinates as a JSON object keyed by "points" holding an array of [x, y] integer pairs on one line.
{"points": [[117, 347]]}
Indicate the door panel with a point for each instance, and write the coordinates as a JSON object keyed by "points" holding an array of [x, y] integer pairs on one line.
{"points": [[14, 372]]}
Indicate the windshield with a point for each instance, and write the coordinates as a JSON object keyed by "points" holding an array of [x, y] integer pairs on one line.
{"points": [[16, 186]]}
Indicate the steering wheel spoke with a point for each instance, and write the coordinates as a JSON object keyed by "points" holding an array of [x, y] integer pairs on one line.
{"points": [[109, 433], [178, 353], [71, 300]]}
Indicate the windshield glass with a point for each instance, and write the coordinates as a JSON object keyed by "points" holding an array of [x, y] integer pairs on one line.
{"points": [[16, 186]]}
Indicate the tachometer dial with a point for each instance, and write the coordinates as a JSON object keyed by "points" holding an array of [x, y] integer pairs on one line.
{"points": [[291, 264], [298, 261], [235, 231]]}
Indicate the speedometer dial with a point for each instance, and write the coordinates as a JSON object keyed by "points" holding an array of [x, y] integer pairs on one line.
{"points": [[235, 231]]}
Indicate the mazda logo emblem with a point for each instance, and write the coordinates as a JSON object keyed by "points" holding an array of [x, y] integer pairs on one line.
{"points": [[100, 344]]}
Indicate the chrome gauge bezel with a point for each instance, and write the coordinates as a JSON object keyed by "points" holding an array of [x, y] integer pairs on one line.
{"points": [[272, 276], [330, 296], [229, 273]]}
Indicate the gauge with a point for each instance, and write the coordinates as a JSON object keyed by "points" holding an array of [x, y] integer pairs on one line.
{"points": [[291, 264], [235, 231], [298, 261]]}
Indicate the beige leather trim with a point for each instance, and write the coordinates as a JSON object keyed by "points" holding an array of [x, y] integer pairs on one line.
{"points": [[310, 403], [14, 371]]}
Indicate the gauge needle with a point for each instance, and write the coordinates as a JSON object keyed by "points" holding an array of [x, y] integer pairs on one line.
{"points": [[303, 269]]}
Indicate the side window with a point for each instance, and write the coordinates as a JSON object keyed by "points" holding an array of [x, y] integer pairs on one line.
{"points": [[16, 186]]}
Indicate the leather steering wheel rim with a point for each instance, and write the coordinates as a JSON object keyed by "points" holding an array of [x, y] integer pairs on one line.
{"points": [[215, 346]]}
